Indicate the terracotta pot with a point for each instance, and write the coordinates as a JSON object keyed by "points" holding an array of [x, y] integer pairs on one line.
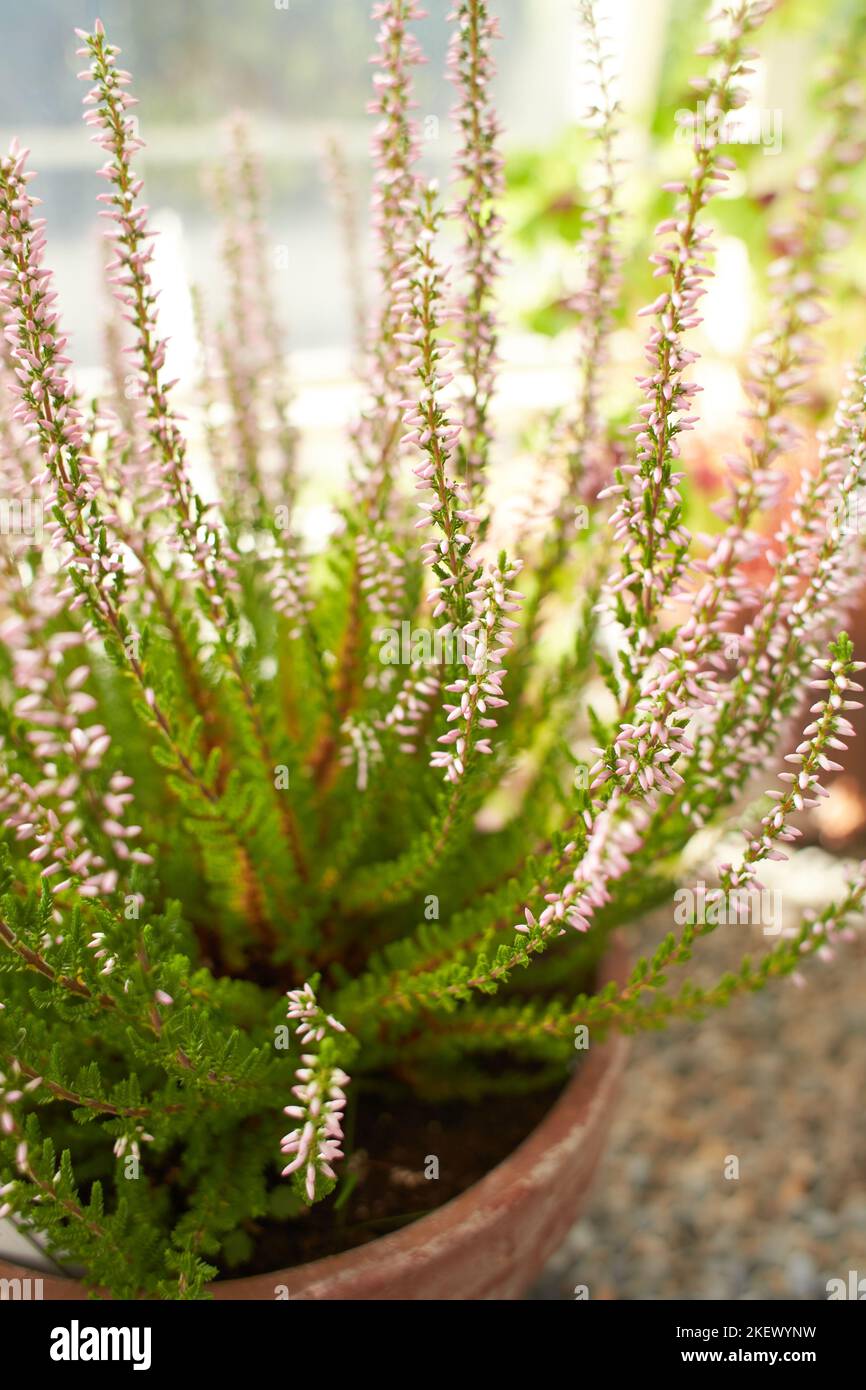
{"points": [[493, 1240]]}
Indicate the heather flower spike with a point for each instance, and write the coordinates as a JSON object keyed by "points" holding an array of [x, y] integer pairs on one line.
{"points": [[811, 760], [577, 447], [479, 171], [107, 105], [313, 1146], [276, 814], [581, 434], [647, 523], [395, 151]]}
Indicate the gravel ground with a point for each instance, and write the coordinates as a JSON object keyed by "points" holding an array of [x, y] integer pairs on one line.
{"points": [[776, 1081]]}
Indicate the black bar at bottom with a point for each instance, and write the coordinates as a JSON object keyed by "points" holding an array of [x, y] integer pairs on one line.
{"points": [[262, 1340]]}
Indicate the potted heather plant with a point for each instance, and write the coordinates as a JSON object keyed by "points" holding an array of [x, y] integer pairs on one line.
{"points": [[249, 864]]}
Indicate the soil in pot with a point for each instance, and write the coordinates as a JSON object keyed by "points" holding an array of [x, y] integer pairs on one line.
{"points": [[393, 1143]]}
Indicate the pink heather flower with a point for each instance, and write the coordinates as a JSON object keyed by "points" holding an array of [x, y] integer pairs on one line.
{"points": [[287, 580], [57, 833], [488, 634], [395, 151], [259, 471], [473, 605], [165, 464], [411, 706], [313, 1023], [12, 1091], [579, 437], [447, 504], [646, 522], [361, 749], [779, 368], [93, 559], [817, 574], [314, 1145], [479, 169], [833, 926], [614, 833], [132, 1142], [45, 405], [382, 582], [380, 570], [826, 732]]}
